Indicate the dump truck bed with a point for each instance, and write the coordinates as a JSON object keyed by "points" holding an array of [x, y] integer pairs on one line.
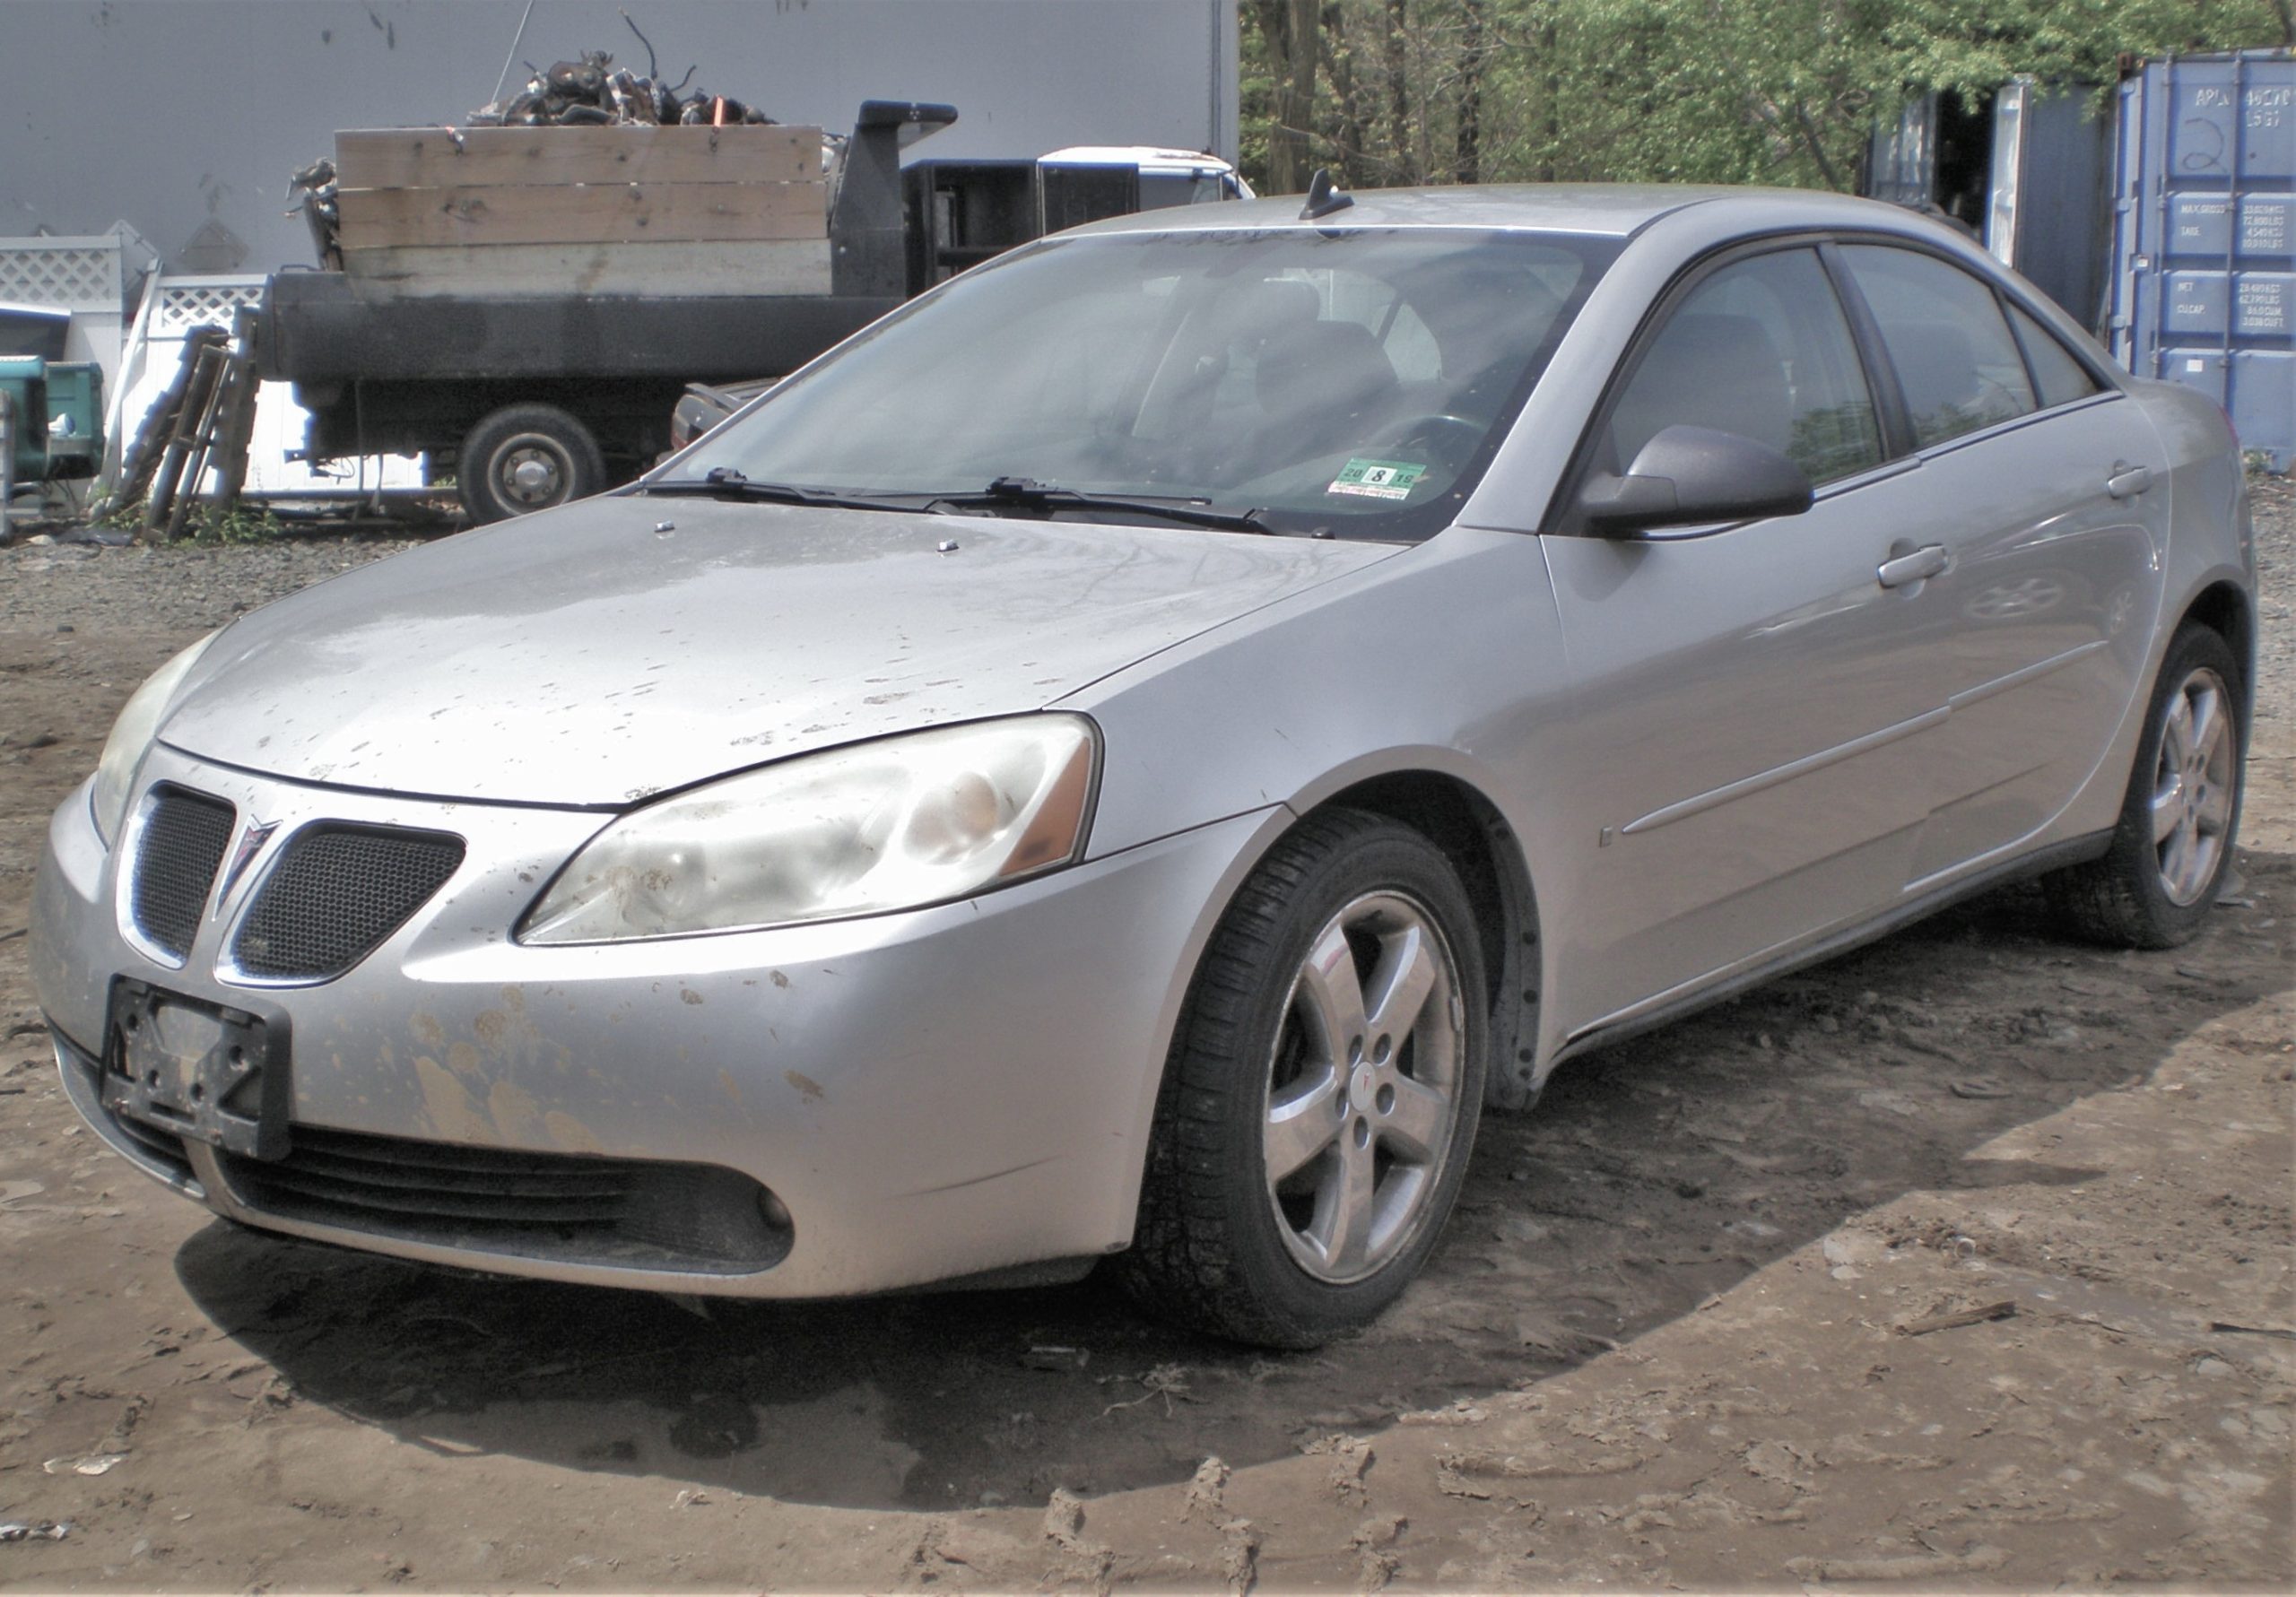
{"points": [[319, 329]]}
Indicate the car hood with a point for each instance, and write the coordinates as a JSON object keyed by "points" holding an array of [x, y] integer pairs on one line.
{"points": [[614, 649]]}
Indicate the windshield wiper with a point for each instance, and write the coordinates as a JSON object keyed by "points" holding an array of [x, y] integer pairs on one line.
{"points": [[723, 481], [1023, 493]]}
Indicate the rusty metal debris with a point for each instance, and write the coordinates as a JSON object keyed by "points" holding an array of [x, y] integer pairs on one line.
{"points": [[47, 1529], [206, 420], [2004, 1310], [316, 186], [594, 92]]}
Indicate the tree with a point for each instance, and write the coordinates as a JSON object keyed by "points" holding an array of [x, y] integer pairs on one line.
{"points": [[1290, 36], [1719, 91]]}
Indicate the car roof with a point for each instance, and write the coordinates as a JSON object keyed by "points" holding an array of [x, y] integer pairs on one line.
{"points": [[1615, 210]]}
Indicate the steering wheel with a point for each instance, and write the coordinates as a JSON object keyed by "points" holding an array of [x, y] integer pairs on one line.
{"points": [[1449, 438]]}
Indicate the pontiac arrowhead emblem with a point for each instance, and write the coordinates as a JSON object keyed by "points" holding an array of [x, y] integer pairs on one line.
{"points": [[251, 842]]}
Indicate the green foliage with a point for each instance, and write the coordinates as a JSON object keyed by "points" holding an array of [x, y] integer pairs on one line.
{"points": [[241, 524], [118, 518], [1700, 90]]}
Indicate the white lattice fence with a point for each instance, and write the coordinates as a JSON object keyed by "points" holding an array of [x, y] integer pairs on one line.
{"points": [[73, 274], [202, 302]]}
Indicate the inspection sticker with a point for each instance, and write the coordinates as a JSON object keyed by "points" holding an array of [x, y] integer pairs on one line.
{"points": [[1378, 479]]}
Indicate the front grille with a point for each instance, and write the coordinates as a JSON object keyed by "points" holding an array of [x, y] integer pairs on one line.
{"points": [[163, 1146], [336, 894], [636, 1213], [183, 844]]}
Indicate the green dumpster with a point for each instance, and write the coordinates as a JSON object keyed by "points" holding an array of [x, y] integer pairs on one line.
{"points": [[59, 407], [75, 418], [24, 379]]}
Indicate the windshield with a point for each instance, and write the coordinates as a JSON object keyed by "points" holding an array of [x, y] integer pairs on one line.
{"points": [[1351, 384]]}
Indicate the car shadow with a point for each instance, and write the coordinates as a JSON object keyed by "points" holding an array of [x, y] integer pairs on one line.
{"points": [[1652, 1175]]}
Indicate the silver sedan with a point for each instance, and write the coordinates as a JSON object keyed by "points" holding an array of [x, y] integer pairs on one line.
{"points": [[1134, 753]]}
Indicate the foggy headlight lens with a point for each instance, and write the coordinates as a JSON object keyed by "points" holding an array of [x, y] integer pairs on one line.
{"points": [[132, 734], [899, 823]]}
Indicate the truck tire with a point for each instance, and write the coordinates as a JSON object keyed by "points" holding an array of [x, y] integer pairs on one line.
{"points": [[526, 457]]}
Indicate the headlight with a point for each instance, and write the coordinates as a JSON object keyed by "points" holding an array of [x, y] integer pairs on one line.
{"points": [[132, 734], [897, 824]]}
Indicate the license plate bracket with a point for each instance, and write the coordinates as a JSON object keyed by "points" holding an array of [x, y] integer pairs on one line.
{"points": [[212, 1072]]}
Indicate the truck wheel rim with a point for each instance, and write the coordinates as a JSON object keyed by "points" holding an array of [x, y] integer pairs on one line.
{"points": [[1362, 1106], [531, 472], [2193, 786]]}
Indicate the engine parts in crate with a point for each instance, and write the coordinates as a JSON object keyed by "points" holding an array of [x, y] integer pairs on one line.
{"points": [[594, 92], [316, 185]]}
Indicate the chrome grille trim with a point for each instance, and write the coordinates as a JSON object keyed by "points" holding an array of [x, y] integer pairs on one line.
{"points": [[336, 894], [179, 849]]}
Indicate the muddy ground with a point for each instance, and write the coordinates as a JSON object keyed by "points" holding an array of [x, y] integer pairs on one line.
{"points": [[1678, 1332]]}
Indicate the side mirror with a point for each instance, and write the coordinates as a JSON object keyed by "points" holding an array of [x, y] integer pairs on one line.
{"points": [[1686, 476]]}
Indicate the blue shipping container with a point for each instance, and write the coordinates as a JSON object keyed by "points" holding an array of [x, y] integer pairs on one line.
{"points": [[2205, 236]]}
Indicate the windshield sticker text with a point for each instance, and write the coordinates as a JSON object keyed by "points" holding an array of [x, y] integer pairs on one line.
{"points": [[1378, 479]]}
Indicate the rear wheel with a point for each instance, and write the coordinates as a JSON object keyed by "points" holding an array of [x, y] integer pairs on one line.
{"points": [[526, 457], [2174, 842], [1322, 1094]]}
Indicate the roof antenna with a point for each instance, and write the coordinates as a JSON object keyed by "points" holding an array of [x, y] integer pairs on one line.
{"points": [[1324, 196]]}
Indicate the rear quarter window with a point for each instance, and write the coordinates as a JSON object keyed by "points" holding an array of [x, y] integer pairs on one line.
{"points": [[1957, 364], [2060, 378]]}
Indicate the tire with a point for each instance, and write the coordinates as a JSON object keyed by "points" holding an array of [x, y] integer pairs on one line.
{"points": [[2173, 844], [526, 457], [1342, 907]]}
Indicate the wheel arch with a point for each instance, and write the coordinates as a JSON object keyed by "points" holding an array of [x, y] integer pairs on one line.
{"points": [[2223, 608], [1456, 816], [1481, 847]]}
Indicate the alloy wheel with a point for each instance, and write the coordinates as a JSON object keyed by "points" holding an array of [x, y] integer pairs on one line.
{"points": [[2193, 786], [1363, 1104]]}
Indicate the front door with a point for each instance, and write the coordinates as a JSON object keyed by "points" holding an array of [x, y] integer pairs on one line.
{"points": [[1754, 719]]}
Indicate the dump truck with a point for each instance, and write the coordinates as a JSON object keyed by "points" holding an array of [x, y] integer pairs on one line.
{"points": [[524, 306]]}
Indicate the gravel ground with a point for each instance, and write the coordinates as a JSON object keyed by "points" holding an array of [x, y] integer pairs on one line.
{"points": [[2273, 503], [88, 588], [1714, 1316]]}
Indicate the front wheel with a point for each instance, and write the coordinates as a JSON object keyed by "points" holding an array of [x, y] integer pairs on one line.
{"points": [[527, 457], [1322, 1093], [2170, 852]]}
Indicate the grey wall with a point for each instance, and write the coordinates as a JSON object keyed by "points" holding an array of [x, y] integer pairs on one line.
{"points": [[171, 113]]}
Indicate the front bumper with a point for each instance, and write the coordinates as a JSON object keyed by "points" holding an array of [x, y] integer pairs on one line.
{"points": [[938, 1094]]}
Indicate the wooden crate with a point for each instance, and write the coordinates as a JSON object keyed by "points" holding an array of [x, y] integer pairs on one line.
{"points": [[610, 211], [510, 157]]}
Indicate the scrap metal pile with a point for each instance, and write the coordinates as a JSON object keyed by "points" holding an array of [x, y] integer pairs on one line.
{"points": [[594, 92]]}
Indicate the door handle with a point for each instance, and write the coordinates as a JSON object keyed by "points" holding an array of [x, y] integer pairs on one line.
{"points": [[1920, 566], [2128, 481]]}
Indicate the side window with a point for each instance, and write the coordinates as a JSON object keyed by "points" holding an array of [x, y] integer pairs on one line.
{"points": [[2062, 379], [1761, 349], [1958, 365]]}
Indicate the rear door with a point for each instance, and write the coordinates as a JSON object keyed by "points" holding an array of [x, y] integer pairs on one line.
{"points": [[2046, 491]]}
